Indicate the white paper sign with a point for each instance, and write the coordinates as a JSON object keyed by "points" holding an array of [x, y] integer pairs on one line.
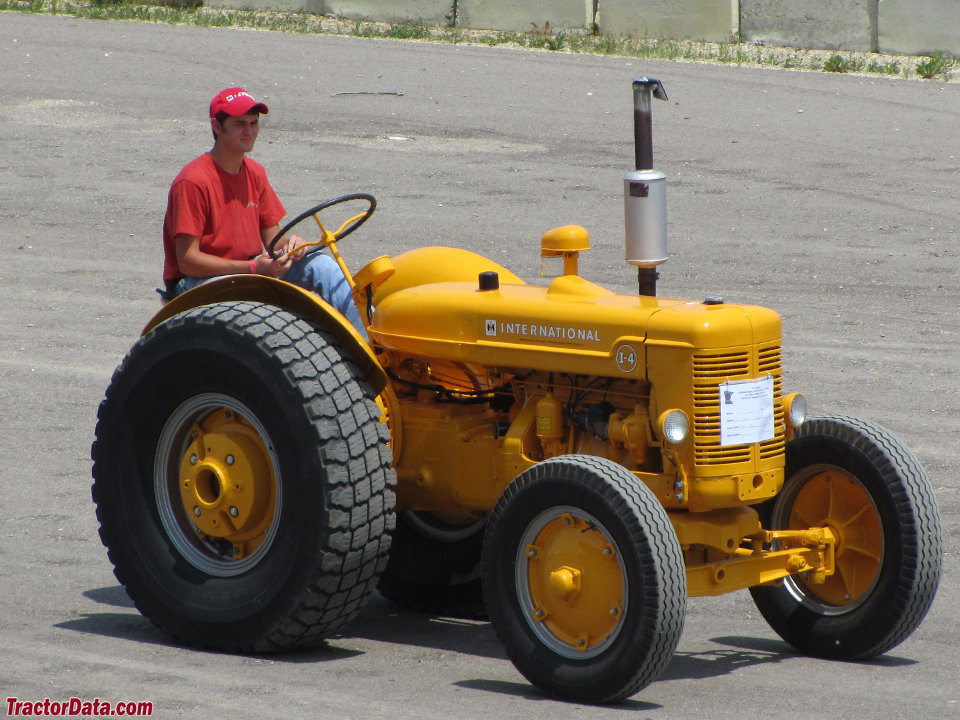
{"points": [[746, 411]]}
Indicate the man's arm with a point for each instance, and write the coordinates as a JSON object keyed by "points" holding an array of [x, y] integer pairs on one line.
{"points": [[194, 262]]}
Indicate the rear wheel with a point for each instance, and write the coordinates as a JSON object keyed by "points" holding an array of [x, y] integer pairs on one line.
{"points": [[862, 483], [584, 579], [435, 566], [242, 480]]}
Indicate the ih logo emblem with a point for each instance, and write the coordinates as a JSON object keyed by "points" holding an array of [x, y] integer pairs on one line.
{"points": [[626, 358], [491, 328]]}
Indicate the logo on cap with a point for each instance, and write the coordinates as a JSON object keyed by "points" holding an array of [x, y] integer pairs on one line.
{"points": [[235, 101]]}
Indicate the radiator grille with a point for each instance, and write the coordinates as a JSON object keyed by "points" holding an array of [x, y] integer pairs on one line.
{"points": [[712, 369]]}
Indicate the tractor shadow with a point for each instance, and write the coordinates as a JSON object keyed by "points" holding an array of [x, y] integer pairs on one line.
{"points": [[735, 653], [379, 621], [126, 623], [383, 622]]}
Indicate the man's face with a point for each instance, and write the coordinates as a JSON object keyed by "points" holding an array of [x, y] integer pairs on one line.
{"points": [[238, 133]]}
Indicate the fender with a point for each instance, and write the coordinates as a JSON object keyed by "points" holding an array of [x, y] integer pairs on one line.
{"points": [[270, 291]]}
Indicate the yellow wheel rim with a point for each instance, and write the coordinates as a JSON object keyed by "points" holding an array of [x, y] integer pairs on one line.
{"points": [[226, 482], [571, 581], [833, 498], [216, 485]]}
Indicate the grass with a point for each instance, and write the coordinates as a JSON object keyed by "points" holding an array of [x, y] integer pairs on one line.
{"points": [[191, 12], [937, 64], [837, 64]]}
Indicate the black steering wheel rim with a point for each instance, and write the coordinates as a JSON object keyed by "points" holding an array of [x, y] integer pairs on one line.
{"points": [[371, 200]]}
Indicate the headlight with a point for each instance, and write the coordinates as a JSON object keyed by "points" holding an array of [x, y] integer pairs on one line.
{"points": [[674, 426], [795, 409]]}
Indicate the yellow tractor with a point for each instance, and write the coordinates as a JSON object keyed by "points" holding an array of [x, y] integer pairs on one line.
{"points": [[570, 462]]}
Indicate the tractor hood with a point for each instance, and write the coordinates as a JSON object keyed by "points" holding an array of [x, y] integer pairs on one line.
{"points": [[571, 326]]}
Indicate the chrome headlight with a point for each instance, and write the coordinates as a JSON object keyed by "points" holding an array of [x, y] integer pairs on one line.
{"points": [[674, 426], [795, 409]]}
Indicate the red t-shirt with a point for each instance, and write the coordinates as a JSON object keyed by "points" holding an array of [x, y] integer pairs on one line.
{"points": [[227, 212]]}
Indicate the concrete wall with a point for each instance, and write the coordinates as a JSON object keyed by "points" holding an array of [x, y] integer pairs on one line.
{"points": [[313, 6], [919, 27], [708, 20], [908, 27], [431, 12], [523, 15], [825, 24]]}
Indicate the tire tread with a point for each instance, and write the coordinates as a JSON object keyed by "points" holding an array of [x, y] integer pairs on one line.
{"points": [[360, 481]]}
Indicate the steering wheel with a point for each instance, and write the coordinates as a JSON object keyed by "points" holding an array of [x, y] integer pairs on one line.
{"points": [[327, 238]]}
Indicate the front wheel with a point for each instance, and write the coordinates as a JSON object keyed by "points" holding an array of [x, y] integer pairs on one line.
{"points": [[861, 482], [584, 579]]}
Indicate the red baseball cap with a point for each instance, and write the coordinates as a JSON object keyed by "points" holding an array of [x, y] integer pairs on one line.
{"points": [[235, 101]]}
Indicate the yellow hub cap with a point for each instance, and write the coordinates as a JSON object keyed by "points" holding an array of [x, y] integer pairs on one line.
{"points": [[217, 485], [572, 581], [835, 499], [226, 484]]}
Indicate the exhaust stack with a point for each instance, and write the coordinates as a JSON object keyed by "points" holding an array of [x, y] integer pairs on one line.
{"points": [[644, 193]]}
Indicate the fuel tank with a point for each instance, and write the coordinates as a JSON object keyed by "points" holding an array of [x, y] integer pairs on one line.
{"points": [[571, 325]]}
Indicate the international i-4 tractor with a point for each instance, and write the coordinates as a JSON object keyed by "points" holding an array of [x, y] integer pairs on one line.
{"points": [[569, 462]]}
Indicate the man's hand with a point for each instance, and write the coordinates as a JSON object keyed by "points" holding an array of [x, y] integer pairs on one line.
{"points": [[289, 250], [293, 246], [263, 264]]}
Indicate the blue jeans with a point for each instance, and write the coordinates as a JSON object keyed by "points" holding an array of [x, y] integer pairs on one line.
{"points": [[318, 273]]}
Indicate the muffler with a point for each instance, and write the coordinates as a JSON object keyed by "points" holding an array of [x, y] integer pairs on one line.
{"points": [[645, 193]]}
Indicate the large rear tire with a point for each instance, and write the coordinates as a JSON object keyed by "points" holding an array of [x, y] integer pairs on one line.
{"points": [[584, 579], [861, 482], [242, 480]]}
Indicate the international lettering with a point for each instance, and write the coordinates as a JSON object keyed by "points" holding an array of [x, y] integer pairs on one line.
{"points": [[550, 332]]}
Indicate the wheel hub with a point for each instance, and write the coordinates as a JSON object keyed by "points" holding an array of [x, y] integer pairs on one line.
{"points": [[573, 579], [222, 484], [564, 583], [835, 499], [219, 503]]}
